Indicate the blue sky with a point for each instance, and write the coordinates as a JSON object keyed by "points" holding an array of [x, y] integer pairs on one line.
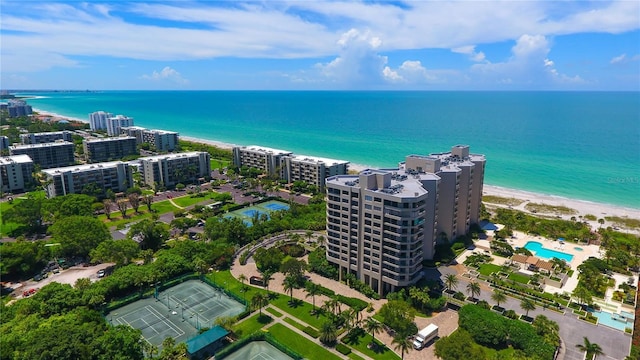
{"points": [[313, 44]]}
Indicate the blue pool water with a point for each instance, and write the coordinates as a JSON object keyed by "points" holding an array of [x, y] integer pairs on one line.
{"points": [[545, 253], [619, 322]]}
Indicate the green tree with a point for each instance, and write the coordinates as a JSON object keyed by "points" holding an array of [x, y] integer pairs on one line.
{"points": [[78, 235], [149, 234], [173, 351], [289, 284], [592, 350], [473, 288], [294, 268], [459, 345], [401, 343], [82, 284], [28, 212], [548, 329], [22, 258], [328, 333], [399, 315], [312, 290], [118, 251], [148, 201], [106, 206], [582, 294], [451, 282], [268, 259], [259, 300], [373, 327], [498, 296], [527, 305]]}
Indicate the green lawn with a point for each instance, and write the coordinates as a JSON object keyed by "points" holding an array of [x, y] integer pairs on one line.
{"points": [[300, 344], [218, 163], [7, 228], [273, 312], [301, 310], [187, 200], [226, 280], [487, 269], [360, 343], [251, 325], [294, 323], [523, 279], [354, 356], [161, 207]]}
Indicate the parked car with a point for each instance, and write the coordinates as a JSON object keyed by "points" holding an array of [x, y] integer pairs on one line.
{"points": [[101, 273]]}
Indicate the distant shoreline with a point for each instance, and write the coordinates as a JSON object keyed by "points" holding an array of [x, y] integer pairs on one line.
{"points": [[582, 207]]}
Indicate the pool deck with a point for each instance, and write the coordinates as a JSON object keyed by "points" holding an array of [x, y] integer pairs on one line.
{"points": [[519, 239]]}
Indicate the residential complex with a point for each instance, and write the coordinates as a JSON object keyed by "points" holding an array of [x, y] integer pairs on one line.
{"points": [[161, 140], [116, 123], [172, 169], [312, 170], [381, 224], [48, 155], [16, 173], [115, 176], [46, 137], [17, 108], [287, 166], [108, 149], [268, 160], [98, 120]]}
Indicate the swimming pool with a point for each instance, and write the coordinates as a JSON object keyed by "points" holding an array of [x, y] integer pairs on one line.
{"points": [[545, 253], [616, 321]]}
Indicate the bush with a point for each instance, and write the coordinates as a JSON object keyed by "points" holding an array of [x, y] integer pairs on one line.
{"points": [[311, 332], [343, 349], [354, 303], [293, 250], [459, 296]]}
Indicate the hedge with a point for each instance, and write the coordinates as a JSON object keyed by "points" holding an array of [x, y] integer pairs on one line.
{"points": [[343, 349], [354, 303], [311, 332]]}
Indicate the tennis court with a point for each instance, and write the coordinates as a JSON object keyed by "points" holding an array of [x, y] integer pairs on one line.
{"points": [[179, 312], [247, 214], [258, 350]]}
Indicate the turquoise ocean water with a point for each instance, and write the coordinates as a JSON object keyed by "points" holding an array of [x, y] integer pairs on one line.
{"points": [[582, 145]]}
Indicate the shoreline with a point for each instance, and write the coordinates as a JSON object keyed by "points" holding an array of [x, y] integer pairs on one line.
{"points": [[582, 207]]}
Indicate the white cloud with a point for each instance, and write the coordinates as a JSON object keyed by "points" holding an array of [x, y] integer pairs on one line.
{"points": [[358, 63], [623, 59], [166, 73], [529, 65], [470, 51]]}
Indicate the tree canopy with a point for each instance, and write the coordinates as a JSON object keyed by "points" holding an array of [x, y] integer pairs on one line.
{"points": [[78, 235]]}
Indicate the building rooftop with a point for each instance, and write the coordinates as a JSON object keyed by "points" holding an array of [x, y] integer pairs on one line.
{"points": [[27, 146], [318, 160], [201, 341], [170, 156], [266, 150], [80, 168], [402, 185], [15, 159], [115, 138]]}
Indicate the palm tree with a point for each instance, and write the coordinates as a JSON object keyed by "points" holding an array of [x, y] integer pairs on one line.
{"points": [[401, 343], [242, 279], [474, 289], [313, 290], [332, 305], [373, 326], [451, 282], [592, 350], [328, 334], [289, 284], [259, 301], [498, 296], [527, 305]]}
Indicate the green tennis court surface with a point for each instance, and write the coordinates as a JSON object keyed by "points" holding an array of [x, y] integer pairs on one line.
{"points": [[258, 350], [247, 214], [178, 312]]}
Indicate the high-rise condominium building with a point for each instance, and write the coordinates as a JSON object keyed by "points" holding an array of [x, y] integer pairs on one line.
{"points": [[16, 173], [381, 224], [116, 123], [46, 137], [17, 108], [98, 120], [115, 176], [375, 227], [4, 143], [47, 155], [109, 149], [178, 168]]}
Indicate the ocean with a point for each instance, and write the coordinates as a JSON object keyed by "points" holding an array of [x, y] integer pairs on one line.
{"points": [[580, 145]]}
